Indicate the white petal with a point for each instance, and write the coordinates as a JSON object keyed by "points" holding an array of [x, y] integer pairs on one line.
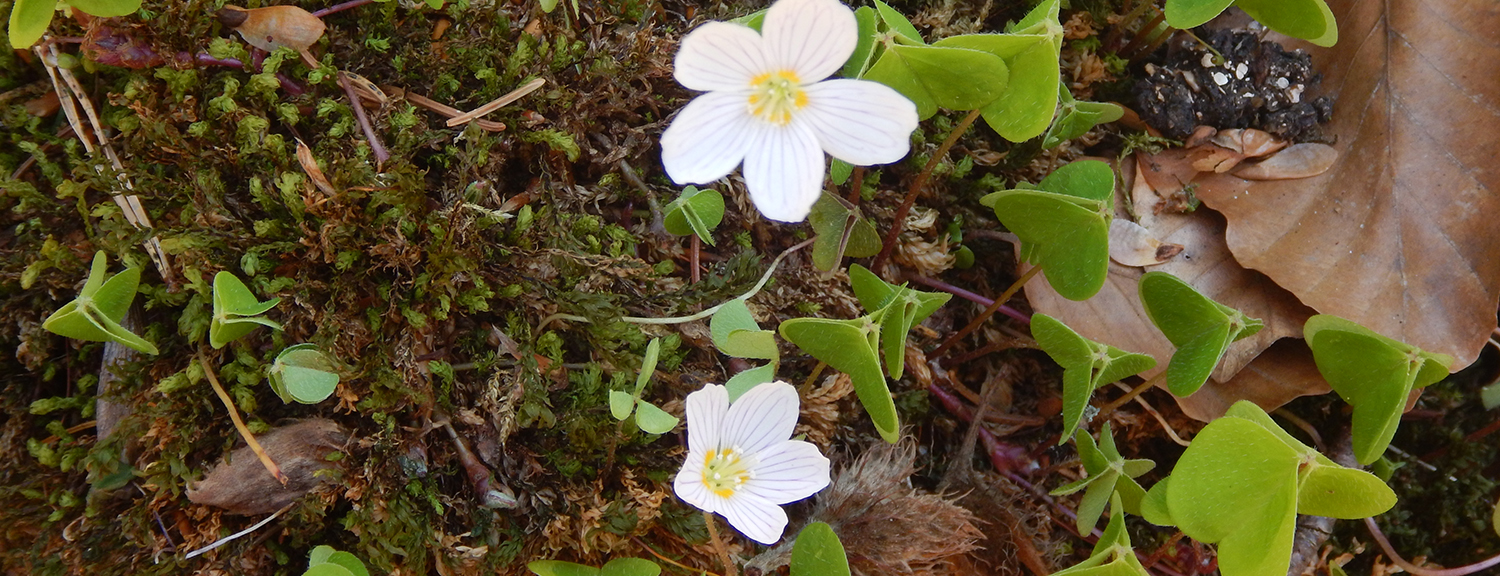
{"points": [[761, 419], [720, 56], [810, 37], [708, 138], [762, 521], [690, 487], [788, 473], [706, 410], [784, 171], [860, 122]]}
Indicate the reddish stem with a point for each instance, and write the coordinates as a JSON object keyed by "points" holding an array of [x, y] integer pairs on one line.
{"points": [[341, 7], [990, 311], [364, 123], [1014, 314], [917, 185], [696, 246]]}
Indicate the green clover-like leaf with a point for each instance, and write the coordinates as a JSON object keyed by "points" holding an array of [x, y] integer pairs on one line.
{"points": [[1242, 483], [818, 552], [1373, 373], [1110, 476], [1310, 20], [893, 21], [237, 311], [866, 19], [695, 212], [95, 314], [106, 8], [941, 76], [900, 308], [326, 558], [1064, 225], [1074, 118], [1030, 49], [652, 419], [1200, 328], [1087, 366], [747, 379], [736, 333], [1113, 555], [303, 374], [29, 20], [648, 417], [851, 347], [841, 231]]}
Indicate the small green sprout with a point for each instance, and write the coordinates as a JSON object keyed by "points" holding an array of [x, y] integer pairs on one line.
{"points": [[736, 333], [1076, 118], [236, 311], [1064, 225], [648, 416], [616, 567], [695, 212], [1113, 555], [325, 561], [302, 373], [1200, 328], [841, 231], [101, 305], [1087, 365], [1373, 373], [854, 346], [1110, 477]]}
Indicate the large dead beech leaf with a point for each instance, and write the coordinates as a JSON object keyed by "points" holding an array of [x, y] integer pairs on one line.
{"points": [[1402, 235], [1114, 316]]}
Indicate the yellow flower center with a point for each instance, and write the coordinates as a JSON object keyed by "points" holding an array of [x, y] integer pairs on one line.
{"points": [[774, 96], [725, 471]]}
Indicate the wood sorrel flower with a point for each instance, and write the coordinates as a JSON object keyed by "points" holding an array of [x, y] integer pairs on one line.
{"points": [[740, 463], [769, 105]]}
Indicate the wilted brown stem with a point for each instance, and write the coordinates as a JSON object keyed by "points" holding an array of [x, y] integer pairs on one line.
{"points": [[899, 221], [234, 415]]}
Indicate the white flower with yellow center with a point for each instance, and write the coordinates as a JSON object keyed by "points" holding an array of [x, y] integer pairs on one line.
{"points": [[768, 104], [740, 463]]}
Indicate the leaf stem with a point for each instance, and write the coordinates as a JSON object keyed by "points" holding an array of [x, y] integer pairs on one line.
{"points": [[899, 222], [990, 311], [713, 534], [1118, 402], [234, 415], [669, 560], [1390, 552]]}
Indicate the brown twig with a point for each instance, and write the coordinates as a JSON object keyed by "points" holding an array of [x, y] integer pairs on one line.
{"points": [[445, 110], [497, 103], [990, 311], [234, 415], [899, 222], [695, 246], [1385, 545], [1118, 402], [364, 121]]}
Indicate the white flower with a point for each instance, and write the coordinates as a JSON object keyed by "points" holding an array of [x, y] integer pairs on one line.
{"points": [[740, 463], [769, 106]]}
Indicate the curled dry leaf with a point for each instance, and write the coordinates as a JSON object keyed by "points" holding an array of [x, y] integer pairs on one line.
{"points": [[240, 485], [1133, 245], [1298, 161], [272, 27], [1219, 151], [310, 165], [1399, 234]]}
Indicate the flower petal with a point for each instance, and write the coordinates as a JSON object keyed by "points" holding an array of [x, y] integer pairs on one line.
{"points": [[788, 473], [721, 56], [761, 419], [810, 37], [784, 171], [690, 487], [706, 410], [708, 138], [762, 521], [860, 122]]}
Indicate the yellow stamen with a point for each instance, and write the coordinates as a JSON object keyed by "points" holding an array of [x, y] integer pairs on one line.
{"points": [[775, 96], [725, 471]]}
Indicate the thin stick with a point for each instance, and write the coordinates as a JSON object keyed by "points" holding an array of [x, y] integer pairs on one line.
{"points": [[364, 121], [497, 103], [899, 222], [341, 7], [1390, 552], [696, 246], [439, 107], [1159, 419], [857, 185], [990, 311], [970, 296], [1144, 386], [236, 535], [713, 534], [234, 415]]}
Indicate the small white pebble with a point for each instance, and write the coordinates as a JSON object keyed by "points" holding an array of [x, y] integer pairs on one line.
{"points": [[1191, 79], [1297, 94], [1239, 71], [1282, 83], [1221, 78], [1248, 95], [1207, 61], [1150, 69]]}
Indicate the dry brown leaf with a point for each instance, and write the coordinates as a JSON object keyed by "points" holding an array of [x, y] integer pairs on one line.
{"points": [[1401, 234], [240, 485], [1297, 161], [272, 27], [1133, 245]]}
